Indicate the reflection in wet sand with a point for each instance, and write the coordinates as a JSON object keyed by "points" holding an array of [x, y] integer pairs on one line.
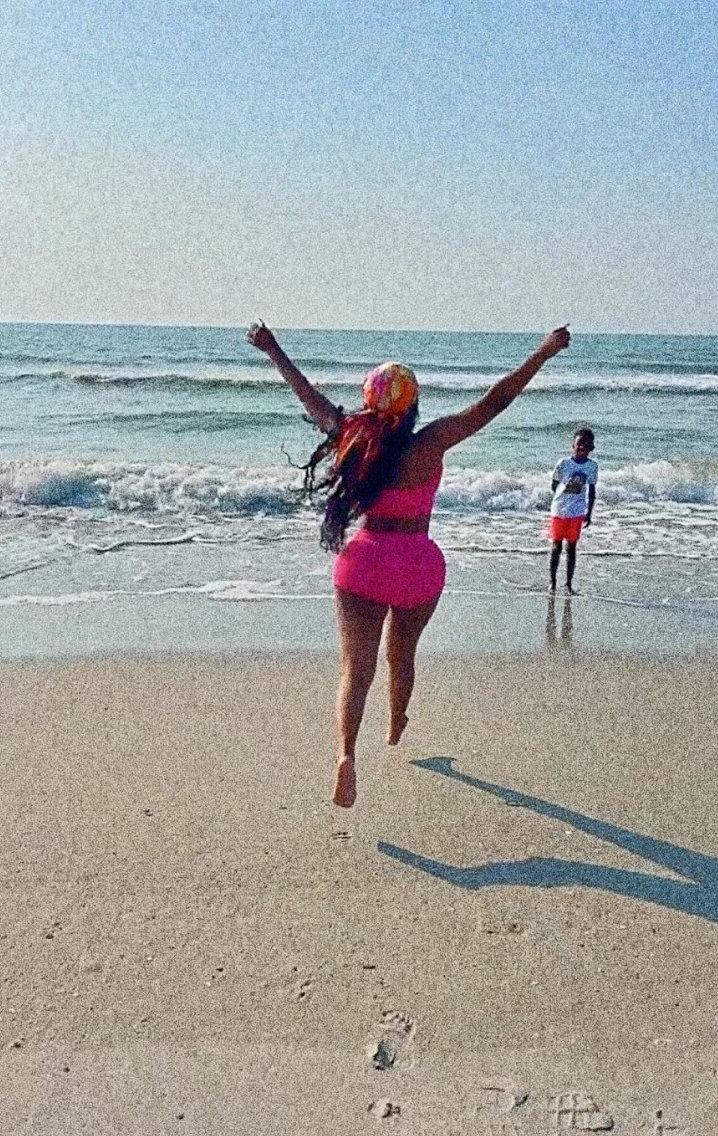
{"points": [[566, 635]]}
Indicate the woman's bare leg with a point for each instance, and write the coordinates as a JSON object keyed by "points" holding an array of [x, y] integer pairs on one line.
{"points": [[405, 628], [360, 625]]}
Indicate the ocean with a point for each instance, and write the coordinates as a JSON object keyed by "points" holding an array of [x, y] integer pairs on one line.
{"points": [[150, 495]]}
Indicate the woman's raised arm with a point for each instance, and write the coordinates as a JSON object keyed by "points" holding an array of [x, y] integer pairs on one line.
{"points": [[326, 415], [444, 433]]}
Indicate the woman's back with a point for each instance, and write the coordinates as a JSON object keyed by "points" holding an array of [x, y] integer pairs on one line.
{"points": [[408, 497]]}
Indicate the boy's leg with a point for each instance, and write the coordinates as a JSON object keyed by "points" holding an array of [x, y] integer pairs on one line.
{"points": [[553, 563], [570, 563]]}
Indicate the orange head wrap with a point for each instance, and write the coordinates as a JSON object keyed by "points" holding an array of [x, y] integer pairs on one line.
{"points": [[389, 391]]}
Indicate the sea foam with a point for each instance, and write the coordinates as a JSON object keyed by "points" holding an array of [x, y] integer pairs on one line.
{"points": [[276, 491]]}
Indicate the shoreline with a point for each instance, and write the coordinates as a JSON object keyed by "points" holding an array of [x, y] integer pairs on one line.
{"points": [[517, 921], [484, 622]]}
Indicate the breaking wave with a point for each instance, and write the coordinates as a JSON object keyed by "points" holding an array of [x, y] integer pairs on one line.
{"points": [[167, 488]]}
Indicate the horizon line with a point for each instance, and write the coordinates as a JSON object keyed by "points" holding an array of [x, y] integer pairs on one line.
{"points": [[384, 330]]}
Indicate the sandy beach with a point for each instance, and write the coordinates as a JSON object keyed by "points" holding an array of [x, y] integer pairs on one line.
{"points": [[512, 934]]}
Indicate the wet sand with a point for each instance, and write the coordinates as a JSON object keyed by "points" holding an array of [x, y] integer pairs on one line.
{"points": [[514, 933]]}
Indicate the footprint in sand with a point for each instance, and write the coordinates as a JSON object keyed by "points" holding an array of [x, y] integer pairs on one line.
{"points": [[383, 1109], [579, 1110], [304, 989], [394, 1045], [500, 1128], [500, 1096]]}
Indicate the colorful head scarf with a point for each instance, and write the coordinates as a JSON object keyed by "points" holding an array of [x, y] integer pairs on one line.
{"points": [[389, 390]]}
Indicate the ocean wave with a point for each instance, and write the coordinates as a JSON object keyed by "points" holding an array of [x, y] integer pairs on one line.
{"points": [[340, 377], [161, 488], [581, 383], [227, 591], [31, 377], [514, 549], [30, 357], [695, 384], [163, 378], [433, 382], [276, 491], [497, 491], [183, 421], [564, 428], [703, 362], [658, 367]]}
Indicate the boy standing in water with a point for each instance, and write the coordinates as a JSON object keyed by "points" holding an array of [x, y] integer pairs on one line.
{"points": [[574, 492]]}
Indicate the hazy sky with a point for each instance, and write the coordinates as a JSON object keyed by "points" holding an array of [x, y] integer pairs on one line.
{"points": [[413, 164]]}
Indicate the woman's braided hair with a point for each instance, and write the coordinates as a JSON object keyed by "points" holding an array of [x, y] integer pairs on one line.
{"points": [[353, 483]]}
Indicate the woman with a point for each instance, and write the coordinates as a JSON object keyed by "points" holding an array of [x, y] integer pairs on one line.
{"points": [[388, 475]]}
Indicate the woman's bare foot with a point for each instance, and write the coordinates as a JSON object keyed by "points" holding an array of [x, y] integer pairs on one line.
{"points": [[396, 730], [345, 783]]}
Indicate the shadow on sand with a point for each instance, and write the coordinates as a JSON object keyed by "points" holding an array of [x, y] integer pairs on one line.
{"points": [[697, 896]]}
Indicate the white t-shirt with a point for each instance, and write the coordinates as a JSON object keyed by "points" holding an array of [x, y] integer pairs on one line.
{"points": [[574, 478]]}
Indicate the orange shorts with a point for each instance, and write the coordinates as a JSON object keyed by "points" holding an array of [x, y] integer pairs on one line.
{"points": [[565, 528]]}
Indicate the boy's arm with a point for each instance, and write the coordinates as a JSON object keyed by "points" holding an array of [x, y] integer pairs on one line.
{"points": [[321, 409], [556, 478], [591, 494]]}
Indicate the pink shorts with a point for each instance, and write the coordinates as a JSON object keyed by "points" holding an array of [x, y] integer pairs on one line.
{"points": [[565, 528], [398, 569]]}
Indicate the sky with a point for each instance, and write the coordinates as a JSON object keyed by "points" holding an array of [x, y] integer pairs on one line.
{"points": [[438, 164]]}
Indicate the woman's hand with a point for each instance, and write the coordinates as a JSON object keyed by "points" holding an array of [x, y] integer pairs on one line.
{"points": [[555, 341], [436, 438], [260, 336], [326, 415]]}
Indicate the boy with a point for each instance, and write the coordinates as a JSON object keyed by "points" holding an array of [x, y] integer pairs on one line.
{"points": [[574, 492]]}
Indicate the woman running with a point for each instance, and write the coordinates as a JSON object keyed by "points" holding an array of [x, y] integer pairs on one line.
{"points": [[385, 473]]}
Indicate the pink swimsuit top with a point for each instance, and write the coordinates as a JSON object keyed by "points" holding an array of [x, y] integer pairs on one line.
{"points": [[407, 503]]}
